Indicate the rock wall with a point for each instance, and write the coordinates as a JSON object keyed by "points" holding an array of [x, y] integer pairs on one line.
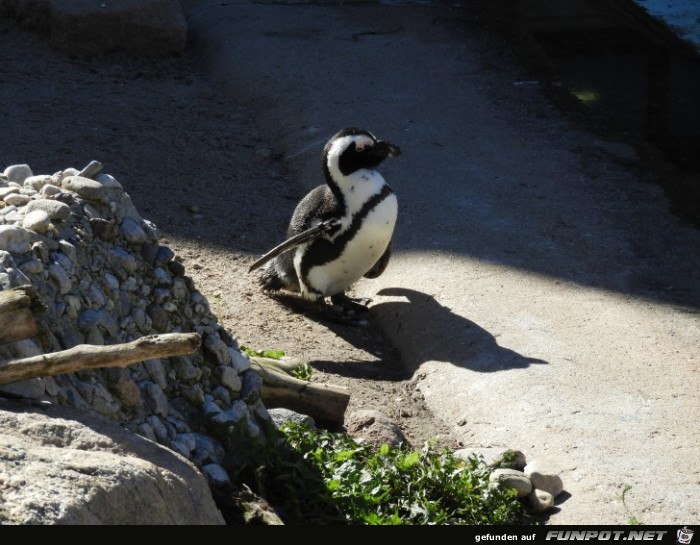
{"points": [[76, 238]]}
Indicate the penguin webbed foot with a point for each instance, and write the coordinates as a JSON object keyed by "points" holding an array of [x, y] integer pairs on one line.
{"points": [[345, 310]]}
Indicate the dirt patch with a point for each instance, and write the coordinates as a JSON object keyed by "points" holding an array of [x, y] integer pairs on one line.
{"points": [[196, 165]]}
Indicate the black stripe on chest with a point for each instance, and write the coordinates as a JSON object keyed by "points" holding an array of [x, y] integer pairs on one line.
{"points": [[323, 251]]}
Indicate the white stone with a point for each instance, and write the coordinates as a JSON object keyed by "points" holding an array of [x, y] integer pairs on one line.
{"points": [[230, 379], [50, 189], [18, 173], [60, 277], [541, 501], [133, 232], [512, 479], [16, 199], [216, 473], [544, 480], [37, 182], [58, 211], [239, 360], [16, 239], [108, 180], [37, 221], [9, 190]]}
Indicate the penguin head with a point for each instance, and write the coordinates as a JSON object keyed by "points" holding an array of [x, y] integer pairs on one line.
{"points": [[351, 149]]}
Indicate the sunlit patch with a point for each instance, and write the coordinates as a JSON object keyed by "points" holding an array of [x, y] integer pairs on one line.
{"points": [[586, 95]]}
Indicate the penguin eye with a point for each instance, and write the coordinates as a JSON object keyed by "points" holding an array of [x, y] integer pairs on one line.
{"points": [[362, 146]]}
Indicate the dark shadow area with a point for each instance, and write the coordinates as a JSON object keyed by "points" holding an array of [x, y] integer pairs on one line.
{"points": [[630, 72], [449, 336], [196, 166], [365, 335]]}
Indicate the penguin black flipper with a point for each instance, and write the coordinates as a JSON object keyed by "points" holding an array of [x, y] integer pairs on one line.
{"points": [[297, 240]]}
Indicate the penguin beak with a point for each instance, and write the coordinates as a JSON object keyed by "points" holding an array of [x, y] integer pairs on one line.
{"points": [[384, 149]]}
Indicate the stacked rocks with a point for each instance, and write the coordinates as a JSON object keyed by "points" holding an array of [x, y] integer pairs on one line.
{"points": [[512, 471], [76, 238]]}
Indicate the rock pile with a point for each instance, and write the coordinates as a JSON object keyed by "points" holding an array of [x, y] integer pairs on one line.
{"points": [[76, 238]]}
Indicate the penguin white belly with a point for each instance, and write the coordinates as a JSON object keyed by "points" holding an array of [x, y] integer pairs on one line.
{"points": [[360, 253]]}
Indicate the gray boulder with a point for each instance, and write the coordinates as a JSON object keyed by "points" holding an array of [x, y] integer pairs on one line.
{"points": [[375, 427], [62, 466]]}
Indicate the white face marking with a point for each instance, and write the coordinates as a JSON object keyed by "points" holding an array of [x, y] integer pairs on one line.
{"points": [[339, 146]]}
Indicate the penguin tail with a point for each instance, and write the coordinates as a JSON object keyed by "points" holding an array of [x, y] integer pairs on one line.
{"points": [[275, 277]]}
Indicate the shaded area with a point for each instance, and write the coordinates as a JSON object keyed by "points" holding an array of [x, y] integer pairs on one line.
{"points": [[449, 337], [633, 73]]}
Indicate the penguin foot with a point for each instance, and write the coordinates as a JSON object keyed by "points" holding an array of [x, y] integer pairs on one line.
{"points": [[351, 305], [341, 315]]}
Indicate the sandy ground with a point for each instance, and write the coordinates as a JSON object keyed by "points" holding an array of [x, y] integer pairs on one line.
{"points": [[196, 165]]}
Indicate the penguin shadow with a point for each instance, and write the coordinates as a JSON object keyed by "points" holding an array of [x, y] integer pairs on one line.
{"points": [[430, 331], [362, 333]]}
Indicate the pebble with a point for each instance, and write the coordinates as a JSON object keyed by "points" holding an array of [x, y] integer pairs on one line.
{"points": [[239, 360], [217, 348], [15, 239], [159, 429], [230, 379], [251, 388], [56, 210], [156, 399], [88, 189], [108, 180], [233, 414], [49, 190], [544, 480], [18, 173], [37, 182], [9, 190], [281, 416], [211, 409], [31, 389], [179, 289], [541, 501], [60, 277], [216, 474], [133, 232], [511, 479], [208, 450], [91, 170], [16, 199], [184, 369], [156, 372]]}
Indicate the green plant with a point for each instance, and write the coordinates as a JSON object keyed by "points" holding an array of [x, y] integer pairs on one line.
{"points": [[303, 372], [272, 354], [632, 520], [322, 477]]}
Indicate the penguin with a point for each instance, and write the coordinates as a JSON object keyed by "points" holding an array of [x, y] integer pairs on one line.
{"points": [[340, 231]]}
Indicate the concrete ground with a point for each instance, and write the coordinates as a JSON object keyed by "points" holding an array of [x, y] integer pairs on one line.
{"points": [[540, 288]]}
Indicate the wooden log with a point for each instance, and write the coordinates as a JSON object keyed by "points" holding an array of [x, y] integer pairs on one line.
{"points": [[323, 402], [16, 317], [85, 356], [285, 364]]}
